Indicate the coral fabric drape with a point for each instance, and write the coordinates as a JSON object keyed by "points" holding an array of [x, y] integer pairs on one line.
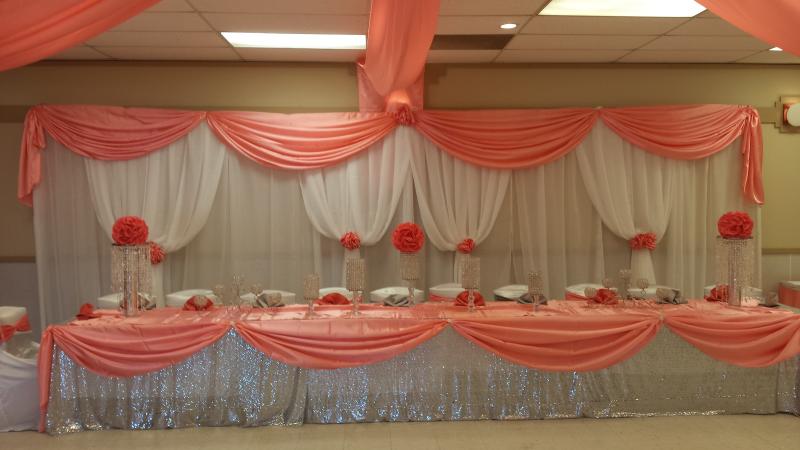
{"points": [[501, 139], [743, 340], [579, 343], [31, 30], [775, 21], [399, 36], [336, 343]]}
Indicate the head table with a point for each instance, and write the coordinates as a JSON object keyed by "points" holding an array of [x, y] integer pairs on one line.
{"points": [[169, 368]]}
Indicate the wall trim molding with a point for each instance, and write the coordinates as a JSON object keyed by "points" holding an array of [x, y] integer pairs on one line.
{"points": [[17, 259]]}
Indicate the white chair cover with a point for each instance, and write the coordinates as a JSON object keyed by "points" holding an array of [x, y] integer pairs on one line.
{"points": [[447, 290], [338, 290], [19, 393], [379, 295], [288, 298], [512, 291]]}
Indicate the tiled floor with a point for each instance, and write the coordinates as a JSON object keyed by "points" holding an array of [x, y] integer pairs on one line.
{"points": [[684, 433]]}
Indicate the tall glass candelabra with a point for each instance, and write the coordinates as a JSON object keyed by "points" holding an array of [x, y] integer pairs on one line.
{"points": [[130, 274], [355, 281], [535, 287], [625, 276], [409, 272], [311, 292], [470, 279]]}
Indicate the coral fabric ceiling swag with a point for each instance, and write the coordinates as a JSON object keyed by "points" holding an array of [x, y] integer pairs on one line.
{"points": [[775, 21]]}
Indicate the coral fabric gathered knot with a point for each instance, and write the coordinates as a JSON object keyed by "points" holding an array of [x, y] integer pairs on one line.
{"points": [[198, 303], [350, 241], [466, 246], [643, 241], [403, 115], [86, 312], [735, 225]]}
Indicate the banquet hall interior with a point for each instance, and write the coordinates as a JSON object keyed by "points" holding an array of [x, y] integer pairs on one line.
{"points": [[396, 224]]}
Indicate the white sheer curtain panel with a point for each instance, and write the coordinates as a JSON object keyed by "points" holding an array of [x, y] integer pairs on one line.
{"points": [[257, 227], [172, 189], [557, 230], [456, 200], [631, 189], [362, 194], [72, 252]]}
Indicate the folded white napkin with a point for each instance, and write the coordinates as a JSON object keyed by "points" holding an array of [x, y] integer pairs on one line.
{"points": [[527, 299], [265, 300], [669, 296], [397, 300]]}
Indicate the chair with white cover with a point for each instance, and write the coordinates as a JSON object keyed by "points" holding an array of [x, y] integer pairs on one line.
{"points": [[444, 292], [749, 291], [112, 301], [19, 392], [335, 290], [380, 295], [177, 299], [577, 291], [511, 292], [21, 342]]}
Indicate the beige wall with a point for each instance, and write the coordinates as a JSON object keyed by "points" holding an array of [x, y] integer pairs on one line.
{"points": [[331, 87]]}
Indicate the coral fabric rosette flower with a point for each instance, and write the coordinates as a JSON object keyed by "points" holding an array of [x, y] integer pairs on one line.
{"points": [[735, 225], [643, 241], [129, 230], [718, 293], [466, 246], [157, 254], [350, 241], [604, 297], [408, 237]]}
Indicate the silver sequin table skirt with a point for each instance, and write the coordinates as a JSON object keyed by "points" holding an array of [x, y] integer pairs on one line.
{"points": [[446, 378]]}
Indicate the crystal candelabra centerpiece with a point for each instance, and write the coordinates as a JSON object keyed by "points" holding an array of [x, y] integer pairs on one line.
{"points": [[535, 288], [643, 284], [471, 278], [734, 267], [355, 281], [130, 274], [311, 292], [409, 272], [237, 281]]}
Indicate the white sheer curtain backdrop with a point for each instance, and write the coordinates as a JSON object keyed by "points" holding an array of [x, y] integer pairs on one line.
{"points": [[456, 200], [362, 194], [631, 189], [171, 189], [557, 230]]}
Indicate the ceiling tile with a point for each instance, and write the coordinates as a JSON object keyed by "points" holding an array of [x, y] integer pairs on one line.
{"points": [[462, 56], [288, 23], [171, 53], [345, 7], [601, 25], [768, 57], [490, 8], [560, 56], [286, 54], [685, 56], [706, 43], [478, 24], [80, 52], [542, 42], [159, 39], [170, 5], [707, 27], [166, 21]]}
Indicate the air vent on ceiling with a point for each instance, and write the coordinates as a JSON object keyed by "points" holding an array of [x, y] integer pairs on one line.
{"points": [[470, 41]]}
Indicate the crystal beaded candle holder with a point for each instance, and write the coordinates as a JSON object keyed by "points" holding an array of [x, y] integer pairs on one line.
{"points": [[535, 286], [355, 280], [311, 291], [470, 279], [734, 267], [409, 272], [130, 274], [625, 276]]}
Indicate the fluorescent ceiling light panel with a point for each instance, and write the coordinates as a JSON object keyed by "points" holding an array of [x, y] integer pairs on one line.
{"points": [[623, 8], [508, 26], [776, 49], [283, 40]]}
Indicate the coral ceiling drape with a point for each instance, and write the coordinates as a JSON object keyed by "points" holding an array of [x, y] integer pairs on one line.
{"points": [[31, 30], [775, 21]]}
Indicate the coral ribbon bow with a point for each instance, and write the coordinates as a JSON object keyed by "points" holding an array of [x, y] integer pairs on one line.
{"points": [[7, 331]]}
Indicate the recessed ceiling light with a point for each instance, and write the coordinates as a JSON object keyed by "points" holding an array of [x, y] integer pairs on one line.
{"points": [[776, 49], [508, 26], [627, 8], [281, 40]]}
